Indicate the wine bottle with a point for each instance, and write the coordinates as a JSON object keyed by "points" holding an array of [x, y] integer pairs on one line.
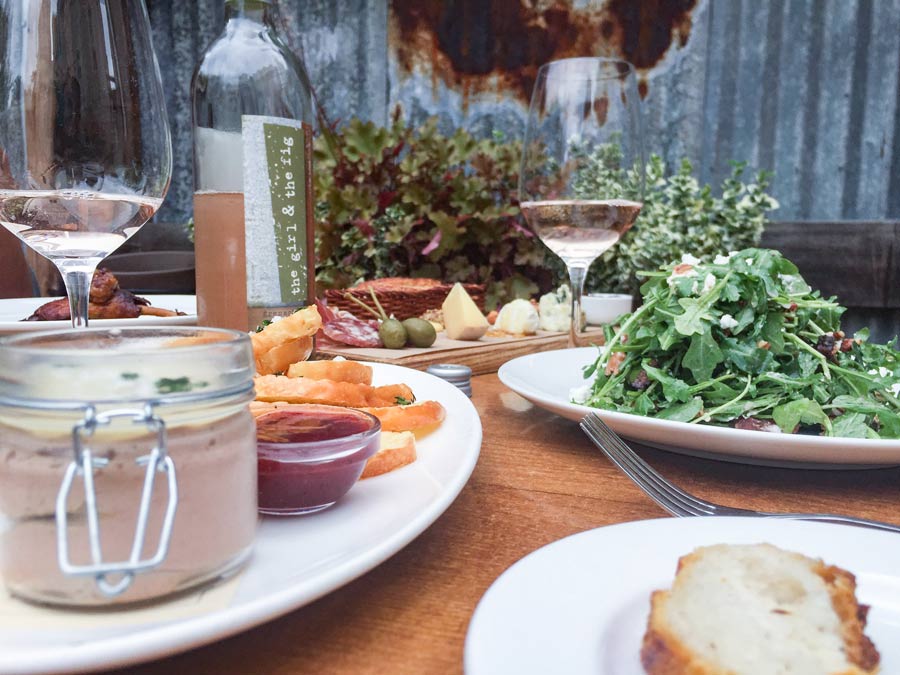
{"points": [[253, 204]]}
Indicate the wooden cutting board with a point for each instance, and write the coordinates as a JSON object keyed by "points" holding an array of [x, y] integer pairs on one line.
{"points": [[482, 356]]}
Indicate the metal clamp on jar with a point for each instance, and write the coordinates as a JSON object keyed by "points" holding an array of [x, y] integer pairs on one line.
{"points": [[127, 462]]}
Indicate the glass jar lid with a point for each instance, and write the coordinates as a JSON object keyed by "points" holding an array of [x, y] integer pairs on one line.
{"points": [[67, 369]]}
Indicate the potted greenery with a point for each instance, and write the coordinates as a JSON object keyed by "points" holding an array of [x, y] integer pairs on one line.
{"points": [[399, 201]]}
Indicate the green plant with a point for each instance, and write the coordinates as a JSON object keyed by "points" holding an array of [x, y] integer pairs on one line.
{"points": [[679, 216], [398, 201]]}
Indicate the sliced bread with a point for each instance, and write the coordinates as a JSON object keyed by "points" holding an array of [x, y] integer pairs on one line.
{"points": [[754, 610]]}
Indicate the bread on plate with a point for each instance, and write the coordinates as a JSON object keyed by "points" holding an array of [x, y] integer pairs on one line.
{"points": [[757, 610]]}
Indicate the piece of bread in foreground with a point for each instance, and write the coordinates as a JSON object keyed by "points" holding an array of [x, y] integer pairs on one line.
{"points": [[757, 609], [327, 392], [397, 449], [338, 371], [411, 417]]}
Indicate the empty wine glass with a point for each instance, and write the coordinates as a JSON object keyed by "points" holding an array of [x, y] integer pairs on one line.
{"points": [[582, 171], [85, 151]]}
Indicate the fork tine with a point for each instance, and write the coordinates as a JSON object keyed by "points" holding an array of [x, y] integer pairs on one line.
{"points": [[669, 500], [667, 495], [643, 471], [651, 474], [662, 500]]}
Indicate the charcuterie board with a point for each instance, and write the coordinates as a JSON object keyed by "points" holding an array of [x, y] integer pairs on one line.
{"points": [[482, 356]]}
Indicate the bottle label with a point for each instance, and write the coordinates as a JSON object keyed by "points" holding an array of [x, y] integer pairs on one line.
{"points": [[278, 216]]}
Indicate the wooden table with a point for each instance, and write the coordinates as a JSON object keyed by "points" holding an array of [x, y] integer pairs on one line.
{"points": [[538, 480]]}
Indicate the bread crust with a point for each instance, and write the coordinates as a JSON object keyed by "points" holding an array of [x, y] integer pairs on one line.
{"points": [[338, 371], [417, 416], [397, 449], [859, 648], [302, 323], [279, 359], [327, 392], [662, 652]]}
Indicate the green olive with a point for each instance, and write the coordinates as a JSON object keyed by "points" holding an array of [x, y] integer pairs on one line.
{"points": [[392, 334], [421, 332]]}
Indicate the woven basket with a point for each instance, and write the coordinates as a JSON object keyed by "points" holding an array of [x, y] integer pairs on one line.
{"points": [[400, 297]]}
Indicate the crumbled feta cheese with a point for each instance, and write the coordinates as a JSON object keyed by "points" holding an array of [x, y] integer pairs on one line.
{"points": [[723, 259], [727, 322], [709, 282], [277, 318], [682, 270], [580, 394], [338, 358], [688, 259], [881, 372], [895, 389]]}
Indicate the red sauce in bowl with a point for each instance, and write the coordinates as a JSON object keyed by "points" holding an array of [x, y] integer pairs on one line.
{"points": [[311, 455]]}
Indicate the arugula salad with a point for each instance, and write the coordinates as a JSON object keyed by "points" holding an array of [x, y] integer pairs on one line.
{"points": [[743, 341]]}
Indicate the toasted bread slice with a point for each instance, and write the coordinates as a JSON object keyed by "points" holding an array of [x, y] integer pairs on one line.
{"points": [[302, 323], [753, 609], [280, 358], [337, 371], [397, 449], [326, 392], [413, 417]]}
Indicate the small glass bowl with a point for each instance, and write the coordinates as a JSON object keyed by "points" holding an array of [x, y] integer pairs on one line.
{"points": [[311, 455]]}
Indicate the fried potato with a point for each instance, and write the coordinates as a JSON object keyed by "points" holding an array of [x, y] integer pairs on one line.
{"points": [[301, 324], [327, 392], [337, 371], [280, 358], [409, 417], [397, 449]]}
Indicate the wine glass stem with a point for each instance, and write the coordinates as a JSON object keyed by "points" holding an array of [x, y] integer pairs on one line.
{"points": [[577, 273], [78, 287]]}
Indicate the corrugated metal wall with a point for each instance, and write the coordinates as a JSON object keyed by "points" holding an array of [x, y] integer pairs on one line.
{"points": [[806, 88]]}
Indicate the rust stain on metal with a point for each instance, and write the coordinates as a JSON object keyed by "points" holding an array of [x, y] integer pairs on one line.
{"points": [[477, 46]]}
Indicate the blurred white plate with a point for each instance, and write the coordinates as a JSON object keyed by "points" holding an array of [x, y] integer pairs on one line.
{"points": [[579, 606], [296, 559], [13, 310], [547, 378]]}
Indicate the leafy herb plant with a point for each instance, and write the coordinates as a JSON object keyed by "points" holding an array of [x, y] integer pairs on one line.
{"points": [[399, 201], [744, 340], [679, 216]]}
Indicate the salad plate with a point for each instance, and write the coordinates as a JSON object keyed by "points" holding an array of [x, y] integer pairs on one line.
{"points": [[547, 379], [580, 605], [14, 310], [296, 559]]}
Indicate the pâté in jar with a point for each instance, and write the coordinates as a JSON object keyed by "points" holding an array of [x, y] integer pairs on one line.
{"points": [[127, 462]]}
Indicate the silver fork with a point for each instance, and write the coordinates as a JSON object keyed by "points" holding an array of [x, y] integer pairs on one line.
{"points": [[678, 502]]}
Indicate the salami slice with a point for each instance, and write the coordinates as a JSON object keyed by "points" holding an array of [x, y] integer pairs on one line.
{"points": [[344, 328], [353, 333]]}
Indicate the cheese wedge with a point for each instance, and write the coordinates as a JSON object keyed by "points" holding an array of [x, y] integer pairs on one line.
{"points": [[462, 318]]}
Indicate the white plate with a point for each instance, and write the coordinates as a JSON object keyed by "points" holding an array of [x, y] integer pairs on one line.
{"points": [[579, 606], [297, 559], [546, 379], [13, 310]]}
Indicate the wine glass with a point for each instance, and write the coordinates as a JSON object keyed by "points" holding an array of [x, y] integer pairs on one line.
{"points": [[85, 150], [582, 163]]}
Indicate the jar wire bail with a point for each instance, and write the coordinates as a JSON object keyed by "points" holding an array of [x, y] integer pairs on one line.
{"points": [[85, 465]]}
